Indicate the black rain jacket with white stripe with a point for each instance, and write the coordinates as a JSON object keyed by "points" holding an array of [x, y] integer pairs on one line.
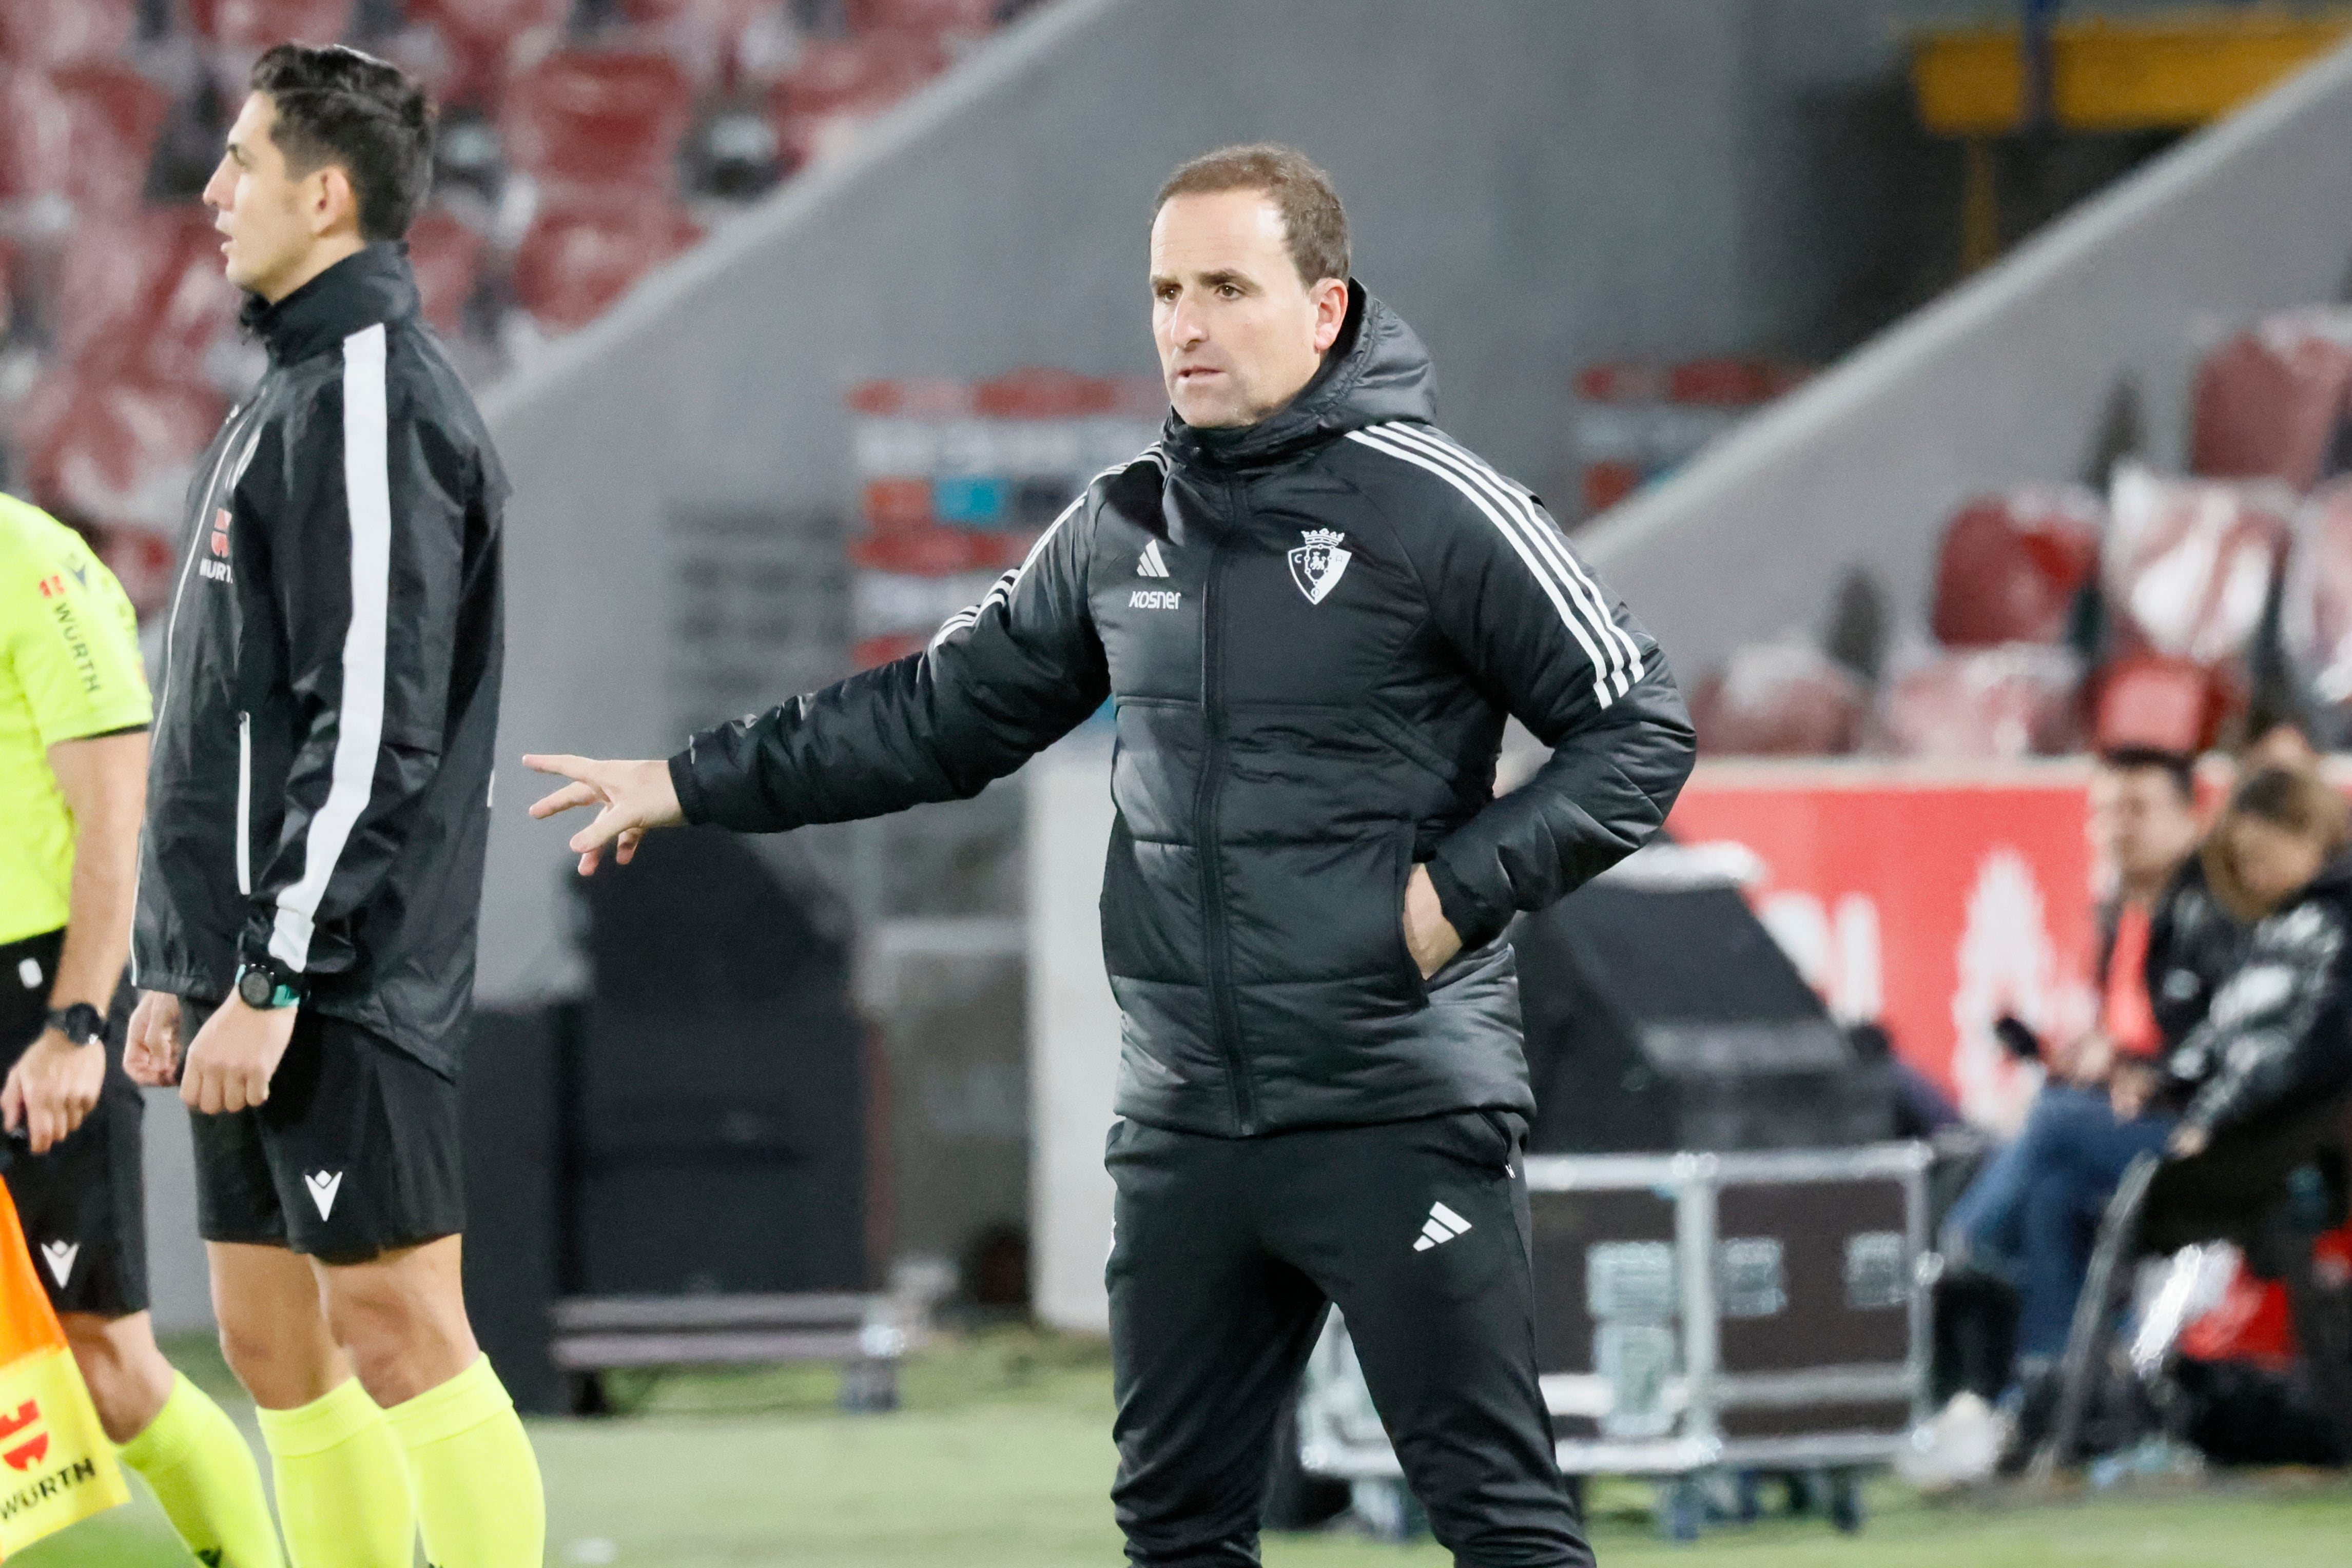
{"points": [[1312, 630], [320, 785]]}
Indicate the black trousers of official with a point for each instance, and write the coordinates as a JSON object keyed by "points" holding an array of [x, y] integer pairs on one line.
{"points": [[1227, 1256]]}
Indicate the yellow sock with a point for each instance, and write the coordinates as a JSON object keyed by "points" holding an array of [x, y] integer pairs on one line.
{"points": [[196, 1460], [477, 1490], [342, 1490]]}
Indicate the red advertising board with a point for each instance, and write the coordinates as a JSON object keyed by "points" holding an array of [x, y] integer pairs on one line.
{"points": [[1930, 900]]}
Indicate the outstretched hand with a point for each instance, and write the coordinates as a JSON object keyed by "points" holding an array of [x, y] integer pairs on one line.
{"points": [[632, 797]]}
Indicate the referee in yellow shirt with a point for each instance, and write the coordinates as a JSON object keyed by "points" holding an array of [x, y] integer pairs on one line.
{"points": [[74, 714]]}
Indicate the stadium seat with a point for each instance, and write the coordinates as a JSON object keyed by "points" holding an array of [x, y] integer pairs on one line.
{"points": [[841, 81], [2188, 563], [2270, 402], [586, 248], [2005, 703], [1780, 699], [481, 39], [446, 254], [116, 452], [602, 117], [84, 131], [38, 34], [113, 115], [2165, 704], [2011, 566], [705, 36], [144, 297], [257, 25], [967, 17]]}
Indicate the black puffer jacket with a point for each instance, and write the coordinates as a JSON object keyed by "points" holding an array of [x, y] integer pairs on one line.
{"points": [[2277, 1040], [1312, 630], [319, 790]]}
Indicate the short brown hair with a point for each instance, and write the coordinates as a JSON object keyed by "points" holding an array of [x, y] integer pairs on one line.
{"points": [[2285, 797], [1314, 224]]}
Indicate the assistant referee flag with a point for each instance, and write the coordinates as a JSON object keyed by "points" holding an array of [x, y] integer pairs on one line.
{"points": [[56, 1465]]}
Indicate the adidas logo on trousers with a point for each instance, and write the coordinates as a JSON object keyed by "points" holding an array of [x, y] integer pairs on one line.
{"points": [[1441, 1226]]}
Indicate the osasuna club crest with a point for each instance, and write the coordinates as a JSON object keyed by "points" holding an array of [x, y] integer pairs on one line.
{"points": [[1317, 565]]}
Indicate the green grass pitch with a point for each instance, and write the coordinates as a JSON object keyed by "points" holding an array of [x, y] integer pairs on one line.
{"points": [[1002, 1457]]}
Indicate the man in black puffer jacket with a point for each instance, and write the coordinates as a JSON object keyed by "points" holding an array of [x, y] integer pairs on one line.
{"points": [[1313, 611]]}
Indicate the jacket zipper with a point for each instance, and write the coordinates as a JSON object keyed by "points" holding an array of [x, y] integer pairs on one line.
{"points": [[1207, 806], [244, 804]]}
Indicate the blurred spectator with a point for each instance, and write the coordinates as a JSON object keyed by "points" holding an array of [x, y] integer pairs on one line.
{"points": [[2164, 944], [2276, 1037]]}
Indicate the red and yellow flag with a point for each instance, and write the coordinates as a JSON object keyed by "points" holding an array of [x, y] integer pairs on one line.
{"points": [[56, 1465]]}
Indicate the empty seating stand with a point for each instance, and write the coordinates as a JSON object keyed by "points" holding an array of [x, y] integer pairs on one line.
{"points": [[572, 164]]}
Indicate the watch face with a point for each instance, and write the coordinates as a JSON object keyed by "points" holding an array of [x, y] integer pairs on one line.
{"points": [[256, 987]]}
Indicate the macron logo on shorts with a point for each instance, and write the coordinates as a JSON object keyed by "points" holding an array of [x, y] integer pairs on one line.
{"points": [[59, 1256], [323, 1185], [1441, 1226]]}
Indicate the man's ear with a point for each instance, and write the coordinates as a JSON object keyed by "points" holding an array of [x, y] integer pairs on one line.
{"points": [[333, 203], [1330, 312]]}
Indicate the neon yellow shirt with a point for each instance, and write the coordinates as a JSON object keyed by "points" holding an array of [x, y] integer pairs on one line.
{"points": [[70, 669]]}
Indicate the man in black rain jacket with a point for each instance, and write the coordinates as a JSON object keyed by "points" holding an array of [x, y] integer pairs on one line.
{"points": [[1313, 611]]}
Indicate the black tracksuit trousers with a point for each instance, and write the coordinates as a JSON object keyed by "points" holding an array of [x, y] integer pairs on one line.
{"points": [[1227, 1255]]}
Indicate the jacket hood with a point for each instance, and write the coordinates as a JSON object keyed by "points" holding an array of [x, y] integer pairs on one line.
{"points": [[1377, 369], [371, 285]]}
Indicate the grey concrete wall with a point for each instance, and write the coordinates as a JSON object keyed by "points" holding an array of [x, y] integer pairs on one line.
{"points": [[2009, 379], [1533, 182]]}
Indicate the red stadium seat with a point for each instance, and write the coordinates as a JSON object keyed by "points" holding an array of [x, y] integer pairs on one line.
{"points": [[83, 131], [259, 23], [2270, 401], [144, 298], [446, 254], [113, 114], [841, 81], [2188, 563], [117, 450], [1780, 699], [2011, 566], [705, 36], [41, 32], [2022, 700], [586, 248], [970, 17], [599, 118], [859, 75], [482, 38], [36, 128], [2168, 705]]}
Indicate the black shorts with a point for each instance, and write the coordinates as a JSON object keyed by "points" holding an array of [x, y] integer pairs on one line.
{"points": [[354, 1153], [83, 1204]]}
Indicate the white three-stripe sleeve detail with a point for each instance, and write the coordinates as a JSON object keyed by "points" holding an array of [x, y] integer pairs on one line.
{"points": [[1556, 548], [1625, 665], [359, 723], [1009, 584], [1537, 567]]}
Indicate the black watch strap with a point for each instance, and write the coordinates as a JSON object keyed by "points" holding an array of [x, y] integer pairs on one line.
{"points": [[80, 1023]]}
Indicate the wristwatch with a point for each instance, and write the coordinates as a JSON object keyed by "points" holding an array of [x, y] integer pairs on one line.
{"points": [[80, 1023], [269, 985]]}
